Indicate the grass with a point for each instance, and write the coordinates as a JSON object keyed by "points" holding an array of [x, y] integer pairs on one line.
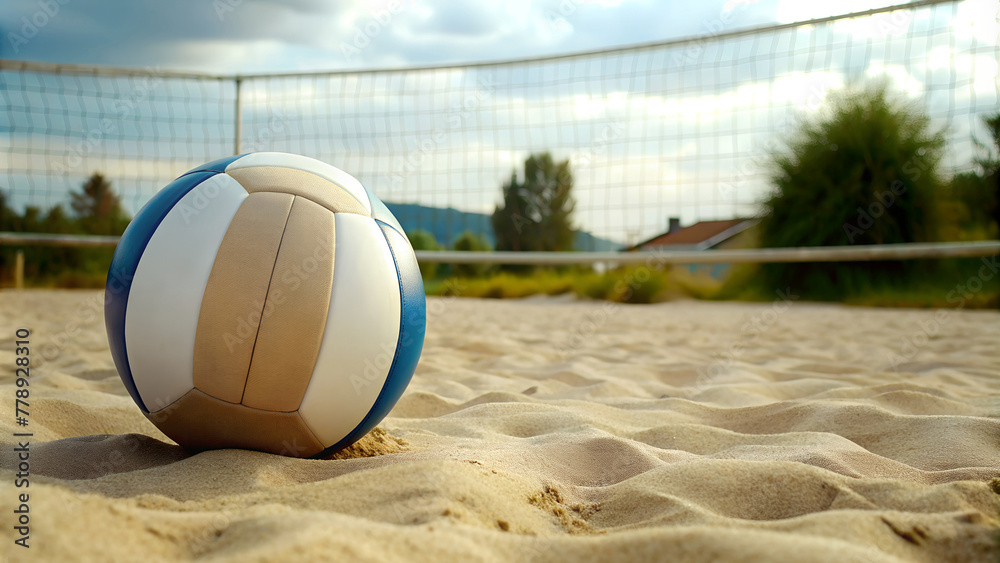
{"points": [[71, 279], [623, 285], [958, 283], [952, 283]]}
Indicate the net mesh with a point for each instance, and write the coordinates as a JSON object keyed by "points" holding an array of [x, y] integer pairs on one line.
{"points": [[679, 129]]}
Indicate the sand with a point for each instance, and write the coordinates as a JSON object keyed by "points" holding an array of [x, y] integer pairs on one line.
{"points": [[549, 429]]}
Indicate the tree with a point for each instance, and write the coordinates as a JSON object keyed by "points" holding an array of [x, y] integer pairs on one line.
{"points": [[8, 222], [866, 172], [537, 213], [99, 208], [968, 212], [8, 217], [61, 257], [97, 211], [990, 164]]}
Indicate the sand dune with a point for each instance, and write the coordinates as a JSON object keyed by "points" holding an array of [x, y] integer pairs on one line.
{"points": [[550, 429]]}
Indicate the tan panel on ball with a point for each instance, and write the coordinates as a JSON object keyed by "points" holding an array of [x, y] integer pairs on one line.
{"points": [[199, 422], [295, 313], [234, 296], [300, 183]]}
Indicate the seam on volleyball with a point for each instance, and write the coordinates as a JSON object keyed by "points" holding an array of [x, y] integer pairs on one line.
{"points": [[128, 364], [324, 178], [395, 230], [188, 392], [402, 324], [263, 304], [329, 450], [308, 428], [371, 203]]}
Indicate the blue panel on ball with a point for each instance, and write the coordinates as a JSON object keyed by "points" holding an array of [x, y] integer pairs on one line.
{"points": [[413, 324], [381, 213], [125, 262], [216, 165]]}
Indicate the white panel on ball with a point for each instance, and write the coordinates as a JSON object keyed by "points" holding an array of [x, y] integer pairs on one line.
{"points": [[362, 327], [306, 164], [161, 317]]}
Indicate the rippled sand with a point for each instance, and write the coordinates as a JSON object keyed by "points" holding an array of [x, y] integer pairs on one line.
{"points": [[550, 430]]}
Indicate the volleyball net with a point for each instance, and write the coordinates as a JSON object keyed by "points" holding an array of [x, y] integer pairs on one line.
{"points": [[673, 129]]}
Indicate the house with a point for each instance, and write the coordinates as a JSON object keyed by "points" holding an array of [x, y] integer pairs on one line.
{"points": [[703, 235]]}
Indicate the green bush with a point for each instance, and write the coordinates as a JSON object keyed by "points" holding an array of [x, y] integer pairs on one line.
{"points": [[555, 284], [470, 242], [971, 202], [866, 172], [638, 284], [595, 286], [632, 285], [96, 211]]}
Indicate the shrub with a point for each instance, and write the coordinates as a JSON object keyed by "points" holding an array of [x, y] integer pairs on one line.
{"points": [[470, 242], [864, 173]]}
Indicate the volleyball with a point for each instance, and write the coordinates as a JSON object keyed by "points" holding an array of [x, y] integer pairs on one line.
{"points": [[265, 301]]}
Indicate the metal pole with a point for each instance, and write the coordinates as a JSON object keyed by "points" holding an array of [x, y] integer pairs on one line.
{"points": [[857, 253], [19, 270], [46, 239], [238, 132]]}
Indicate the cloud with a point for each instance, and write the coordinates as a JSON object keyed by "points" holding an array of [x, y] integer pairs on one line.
{"points": [[978, 19], [458, 18], [252, 36], [646, 131], [789, 11]]}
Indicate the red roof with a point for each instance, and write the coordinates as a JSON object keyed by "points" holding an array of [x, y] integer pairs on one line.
{"points": [[697, 233]]}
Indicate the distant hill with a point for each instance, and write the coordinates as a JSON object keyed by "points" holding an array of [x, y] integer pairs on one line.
{"points": [[446, 224]]}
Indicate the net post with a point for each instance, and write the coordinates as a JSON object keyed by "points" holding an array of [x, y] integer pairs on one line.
{"points": [[19, 270], [238, 129]]}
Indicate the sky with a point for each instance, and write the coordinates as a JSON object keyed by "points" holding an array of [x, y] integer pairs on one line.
{"points": [[681, 130], [258, 36]]}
